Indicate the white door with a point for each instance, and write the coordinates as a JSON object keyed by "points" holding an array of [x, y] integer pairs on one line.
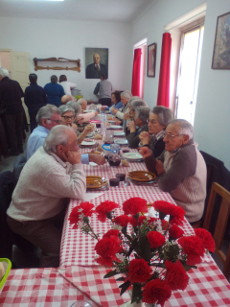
{"points": [[189, 64]]}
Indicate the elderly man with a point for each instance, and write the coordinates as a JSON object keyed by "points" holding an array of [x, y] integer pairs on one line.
{"points": [[52, 176], [84, 117], [94, 70], [48, 117], [181, 168]]}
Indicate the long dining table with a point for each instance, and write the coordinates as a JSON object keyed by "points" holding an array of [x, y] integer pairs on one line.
{"points": [[79, 279]]}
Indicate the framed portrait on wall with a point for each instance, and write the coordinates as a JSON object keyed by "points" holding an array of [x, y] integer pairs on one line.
{"points": [[96, 62], [151, 60], [221, 52]]}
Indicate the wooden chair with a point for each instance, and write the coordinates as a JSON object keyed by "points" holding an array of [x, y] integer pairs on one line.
{"points": [[221, 223]]}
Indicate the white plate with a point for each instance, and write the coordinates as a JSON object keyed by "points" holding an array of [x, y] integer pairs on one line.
{"points": [[133, 156], [118, 133], [115, 127], [88, 143], [92, 163], [121, 141]]}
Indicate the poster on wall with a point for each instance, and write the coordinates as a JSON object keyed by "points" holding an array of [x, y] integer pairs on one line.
{"points": [[221, 53], [96, 62]]}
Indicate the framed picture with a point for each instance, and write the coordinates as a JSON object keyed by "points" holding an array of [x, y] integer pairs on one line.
{"points": [[151, 60], [96, 62], [221, 52]]}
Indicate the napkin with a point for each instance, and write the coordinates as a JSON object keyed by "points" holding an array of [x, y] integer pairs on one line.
{"points": [[90, 281]]}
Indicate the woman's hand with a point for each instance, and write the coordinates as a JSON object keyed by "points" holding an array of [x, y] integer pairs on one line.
{"points": [[144, 137]]}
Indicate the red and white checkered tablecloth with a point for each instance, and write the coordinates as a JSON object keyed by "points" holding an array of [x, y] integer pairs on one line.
{"points": [[44, 287], [78, 248]]}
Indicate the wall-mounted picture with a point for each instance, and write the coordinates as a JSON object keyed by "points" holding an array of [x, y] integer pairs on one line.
{"points": [[96, 62], [151, 60], [221, 53]]}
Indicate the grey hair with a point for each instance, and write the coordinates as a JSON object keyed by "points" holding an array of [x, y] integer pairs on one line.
{"points": [[164, 114], [184, 127], [81, 100], [126, 94], [66, 108], [74, 105], [46, 112], [4, 72], [58, 135], [136, 102], [142, 113]]}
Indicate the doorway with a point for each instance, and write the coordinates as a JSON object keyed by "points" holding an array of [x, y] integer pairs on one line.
{"points": [[188, 72]]}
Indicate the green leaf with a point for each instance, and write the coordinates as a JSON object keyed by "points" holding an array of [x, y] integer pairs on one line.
{"points": [[111, 273], [124, 286]]}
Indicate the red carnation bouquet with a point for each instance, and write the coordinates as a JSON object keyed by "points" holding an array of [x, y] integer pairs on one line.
{"points": [[149, 255]]}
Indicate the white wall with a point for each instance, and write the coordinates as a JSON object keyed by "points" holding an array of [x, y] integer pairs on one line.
{"points": [[212, 124], [44, 38]]}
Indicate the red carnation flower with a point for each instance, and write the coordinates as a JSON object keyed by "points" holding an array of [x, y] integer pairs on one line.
{"points": [[141, 219], [135, 205], [139, 271], [193, 247], [111, 233], [175, 232], [107, 247], [206, 238], [122, 220], [156, 291], [104, 209], [176, 275], [155, 238], [176, 213], [133, 221], [85, 208]]}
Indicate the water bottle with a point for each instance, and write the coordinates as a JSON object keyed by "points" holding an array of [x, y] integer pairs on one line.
{"points": [[103, 123]]}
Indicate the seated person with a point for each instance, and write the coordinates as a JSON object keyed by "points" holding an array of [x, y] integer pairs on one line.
{"points": [[68, 117], [133, 104], [52, 176], [181, 169], [125, 97], [67, 98], [85, 117], [136, 126], [48, 117], [116, 102], [158, 121]]}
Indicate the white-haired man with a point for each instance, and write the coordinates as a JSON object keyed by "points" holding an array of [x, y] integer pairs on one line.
{"points": [[181, 168], [53, 175], [48, 117]]}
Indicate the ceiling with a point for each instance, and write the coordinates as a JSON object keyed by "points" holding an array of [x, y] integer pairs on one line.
{"points": [[101, 10]]}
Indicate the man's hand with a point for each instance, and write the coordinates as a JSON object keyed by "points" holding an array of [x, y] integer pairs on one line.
{"points": [[159, 167], [144, 137], [99, 159], [114, 110], [145, 152], [73, 157]]}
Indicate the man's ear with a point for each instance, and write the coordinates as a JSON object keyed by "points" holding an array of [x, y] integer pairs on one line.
{"points": [[185, 138], [59, 149]]}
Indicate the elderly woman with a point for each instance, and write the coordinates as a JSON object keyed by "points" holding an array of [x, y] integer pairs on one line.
{"points": [[136, 126], [125, 97], [158, 121], [68, 117], [84, 117], [134, 103]]}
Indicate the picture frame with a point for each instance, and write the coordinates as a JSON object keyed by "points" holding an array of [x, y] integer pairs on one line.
{"points": [[151, 60], [91, 69], [221, 52]]}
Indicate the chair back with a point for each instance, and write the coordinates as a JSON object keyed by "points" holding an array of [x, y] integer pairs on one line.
{"points": [[221, 223]]}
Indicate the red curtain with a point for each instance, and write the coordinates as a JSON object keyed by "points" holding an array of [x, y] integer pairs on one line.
{"points": [[136, 77], [164, 76]]}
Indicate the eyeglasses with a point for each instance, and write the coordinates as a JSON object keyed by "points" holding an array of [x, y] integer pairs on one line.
{"points": [[152, 121], [68, 117], [170, 135], [57, 121]]}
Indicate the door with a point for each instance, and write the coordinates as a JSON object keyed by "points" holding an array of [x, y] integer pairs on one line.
{"points": [[189, 65]]}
